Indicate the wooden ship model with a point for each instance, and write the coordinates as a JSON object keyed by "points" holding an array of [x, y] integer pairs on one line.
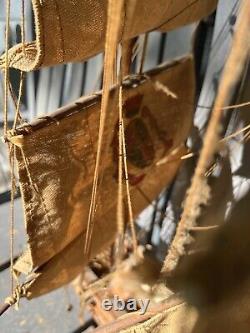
{"points": [[87, 170]]}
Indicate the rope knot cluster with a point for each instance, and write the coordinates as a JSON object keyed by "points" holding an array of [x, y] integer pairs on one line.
{"points": [[20, 291]]}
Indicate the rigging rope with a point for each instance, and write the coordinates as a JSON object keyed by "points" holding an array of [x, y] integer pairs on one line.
{"points": [[6, 68], [130, 211], [120, 219], [11, 148], [110, 75], [113, 25]]}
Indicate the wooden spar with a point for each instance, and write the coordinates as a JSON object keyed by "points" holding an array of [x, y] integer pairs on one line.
{"points": [[4, 308], [88, 101]]}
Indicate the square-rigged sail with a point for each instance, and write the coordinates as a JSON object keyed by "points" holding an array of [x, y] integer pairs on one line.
{"points": [[68, 31], [56, 157]]}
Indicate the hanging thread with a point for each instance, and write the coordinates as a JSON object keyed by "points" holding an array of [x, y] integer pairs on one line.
{"points": [[130, 210], [113, 24], [120, 219], [11, 147], [6, 67]]}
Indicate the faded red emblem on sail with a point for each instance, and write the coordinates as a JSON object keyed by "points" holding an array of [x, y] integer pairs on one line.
{"points": [[139, 142]]}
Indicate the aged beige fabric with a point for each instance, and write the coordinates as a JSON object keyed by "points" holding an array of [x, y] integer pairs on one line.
{"points": [[69, 31], [56, 163], [178, 319]]}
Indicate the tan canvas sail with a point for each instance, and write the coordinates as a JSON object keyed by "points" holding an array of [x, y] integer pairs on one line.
{"points": [[75, 30], [56, 160]]}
